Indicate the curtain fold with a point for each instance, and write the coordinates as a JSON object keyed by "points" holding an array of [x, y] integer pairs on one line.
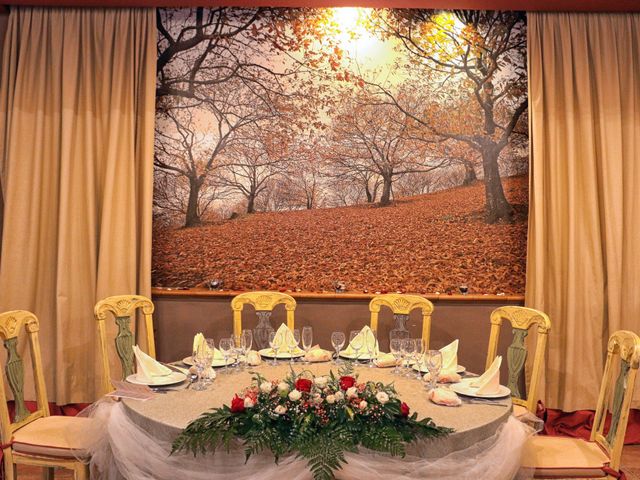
{"points": [[583, 259], [76, 152]]}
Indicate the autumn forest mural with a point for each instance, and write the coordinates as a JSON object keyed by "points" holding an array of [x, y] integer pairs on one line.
{"points": [[349, 149]]}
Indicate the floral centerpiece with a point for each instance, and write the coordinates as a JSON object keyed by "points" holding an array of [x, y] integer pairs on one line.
{"points": [[317, 417]]}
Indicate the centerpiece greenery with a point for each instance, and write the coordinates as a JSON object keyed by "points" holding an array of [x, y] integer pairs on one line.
{"points": [[319, 418]]}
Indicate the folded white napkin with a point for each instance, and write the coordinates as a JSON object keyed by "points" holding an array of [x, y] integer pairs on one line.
{"points": [[317, 354], [449, 358], [386, 360], [446, 397], [448, 377], [367, 339], [489, 382], [253, 358], [200, 342], [285, 340], [147, 367]]}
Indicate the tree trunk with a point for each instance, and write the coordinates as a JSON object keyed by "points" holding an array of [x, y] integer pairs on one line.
{"points": [[251, 203], [367, 191], [385, 199], [497, 208], [469, 174], [193, 218]]}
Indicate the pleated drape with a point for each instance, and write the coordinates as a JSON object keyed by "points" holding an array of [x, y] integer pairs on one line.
{"points": [[76, 152], [583, 265]]}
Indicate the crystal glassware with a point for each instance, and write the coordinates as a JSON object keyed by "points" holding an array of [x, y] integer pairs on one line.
{"points": [[274, 343], [395, 347], [226, 346], [307, 341], [293, 346], [356, 341], [372, 347], [337, 340], [421, 346], [408, 349], [434, 365], [400, 330], [262, 329], [246, 342], [202, 358]]}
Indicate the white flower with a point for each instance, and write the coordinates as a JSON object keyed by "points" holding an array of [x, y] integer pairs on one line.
{"points": [[382, 397], [294, 395], [317, 398], [280, 410], [248, 403], [362, 405], [331, 399], [283, 388], [266, 387], [352, 392], [320, 382], [339, 396]]}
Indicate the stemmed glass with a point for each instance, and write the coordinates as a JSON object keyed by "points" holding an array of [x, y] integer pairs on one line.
{"points": [[202, 357], [307, 342], [408, 348], [337, 340], [226, 346], [274, 343], [421, 346], [371, 348], [246, 342], [395, 347], [434, 364], [293, 346], [357, 342]]}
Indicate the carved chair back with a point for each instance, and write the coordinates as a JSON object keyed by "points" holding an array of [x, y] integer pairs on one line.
{"points": [[616, 391], [12, 324], [262, 302], [123, 308], [403, 305], [521, 319]]}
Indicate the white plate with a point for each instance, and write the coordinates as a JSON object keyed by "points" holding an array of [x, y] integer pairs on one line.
{"points": [[465, 388], [424, 369], [268, 353], [172, 378], [216, 362], [361, 356]]}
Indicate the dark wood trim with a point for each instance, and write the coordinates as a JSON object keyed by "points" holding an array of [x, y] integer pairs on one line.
{"points": [[204, 293]]}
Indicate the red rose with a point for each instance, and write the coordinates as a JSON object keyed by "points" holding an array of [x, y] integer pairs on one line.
{"points": [[404, 409], [237, 404], [347, 382], [303, 385]]}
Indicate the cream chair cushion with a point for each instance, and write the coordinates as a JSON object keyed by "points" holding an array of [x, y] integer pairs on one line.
{"points": [[54, 436], [562, 457]]}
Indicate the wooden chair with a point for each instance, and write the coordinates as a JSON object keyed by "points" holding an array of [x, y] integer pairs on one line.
{"points": [[123, 307], [522, 319], [262, 302], [34, 438], [561, 457], [403, 305]]}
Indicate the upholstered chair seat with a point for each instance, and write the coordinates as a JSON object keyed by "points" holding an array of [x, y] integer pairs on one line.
{"points": [[55, 436], [561, 458]]}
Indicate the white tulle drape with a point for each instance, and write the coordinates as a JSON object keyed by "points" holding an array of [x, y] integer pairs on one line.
{"points": [[120, 449]]}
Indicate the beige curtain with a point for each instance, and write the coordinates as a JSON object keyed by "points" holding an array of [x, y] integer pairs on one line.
{"points": [[583, 265], [76, 153]]}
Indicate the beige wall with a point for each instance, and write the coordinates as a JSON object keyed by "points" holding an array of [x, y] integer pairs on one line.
{"points": [[4, 18], [177, 319]]}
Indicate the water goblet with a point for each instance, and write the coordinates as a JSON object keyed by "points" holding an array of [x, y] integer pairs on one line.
{"points": [[395, 347], [408, 349], [274, 343], [246, 341], [421, 346], [202, 360], [356, 341], [434, 365], [226, 346], [337, 340], [307, 342], [372, 348], [293, 345]]}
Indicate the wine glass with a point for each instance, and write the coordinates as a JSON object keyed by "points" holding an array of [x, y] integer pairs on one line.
{"points": [[421, 346], [395, 347], [202, 357], [274, 343], [307, 342], [372, 347], [434, 365], [246, 342], [337, 340], [356, 341], [408, 348], [226, 346], [293, 345]]}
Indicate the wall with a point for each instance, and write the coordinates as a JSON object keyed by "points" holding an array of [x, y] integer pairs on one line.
{"points": [[178, 318], [4, 18]]}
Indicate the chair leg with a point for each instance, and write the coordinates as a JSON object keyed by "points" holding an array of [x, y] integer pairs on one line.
{"points": [[10, 471], [81, 471], [48, 473]]}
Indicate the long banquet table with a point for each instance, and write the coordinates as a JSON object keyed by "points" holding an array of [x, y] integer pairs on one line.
{"points": [[140, 434]]}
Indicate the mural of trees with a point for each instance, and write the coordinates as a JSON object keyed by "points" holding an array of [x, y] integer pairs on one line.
{"points": [[292, 120]]}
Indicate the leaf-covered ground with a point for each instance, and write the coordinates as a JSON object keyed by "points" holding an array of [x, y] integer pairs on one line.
{"points": [[426, 244]]}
